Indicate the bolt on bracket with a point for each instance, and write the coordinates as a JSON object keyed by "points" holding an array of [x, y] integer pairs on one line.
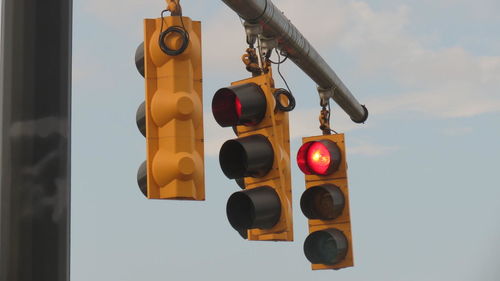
{"points": [[252, 30], [267, 45], [325, 95]]}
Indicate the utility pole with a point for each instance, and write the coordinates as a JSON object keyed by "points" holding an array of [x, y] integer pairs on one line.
{"points": [[35, 93]]}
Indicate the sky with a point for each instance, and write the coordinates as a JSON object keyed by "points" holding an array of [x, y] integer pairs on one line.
{"points": [[423, 169]]}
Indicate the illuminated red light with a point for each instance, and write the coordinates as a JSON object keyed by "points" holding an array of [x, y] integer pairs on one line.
{"points": [[225, 107], [237, 105], [302, 158], [243, 104], [318, 157]]}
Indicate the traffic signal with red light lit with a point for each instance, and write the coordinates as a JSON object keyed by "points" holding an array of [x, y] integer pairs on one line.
{"points": [[259, 159], [325, 202], [172, 118]]}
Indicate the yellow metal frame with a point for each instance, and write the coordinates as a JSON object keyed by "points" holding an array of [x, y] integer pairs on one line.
{"points": [[174, 113], [275, 127], [343, 222]]}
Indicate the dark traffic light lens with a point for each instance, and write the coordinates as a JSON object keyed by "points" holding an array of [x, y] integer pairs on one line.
{"points": [[318, 157], [323, 202], [254, 208], [139, 58], [327, 246], [142, 179], [140, 118], [251, 156], [224, 108], [239, 105]]}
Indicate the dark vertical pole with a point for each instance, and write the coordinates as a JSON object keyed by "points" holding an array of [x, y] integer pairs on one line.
{"points": [[35, 140]]}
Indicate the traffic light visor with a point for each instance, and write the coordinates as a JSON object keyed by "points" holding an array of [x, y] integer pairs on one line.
{"points": [[323, 202], [243, 104], [251, 156], [318, 157], [327, 246], [254, 208]]}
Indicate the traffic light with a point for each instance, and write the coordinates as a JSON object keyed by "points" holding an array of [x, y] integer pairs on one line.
{"points": [[259, 159], [325, 202], [172, 113]]}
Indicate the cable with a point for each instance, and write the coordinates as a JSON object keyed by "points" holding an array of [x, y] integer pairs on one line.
{"points": [[279, 92], [289, 96], [279, 62], [329, 114], [281, 75], [176, 29]]}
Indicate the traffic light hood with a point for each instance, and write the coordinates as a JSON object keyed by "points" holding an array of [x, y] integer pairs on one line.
{"points": [[243, 104]]}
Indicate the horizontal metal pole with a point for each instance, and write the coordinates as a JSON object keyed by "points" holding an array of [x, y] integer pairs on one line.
{"points": [[300, 51]]}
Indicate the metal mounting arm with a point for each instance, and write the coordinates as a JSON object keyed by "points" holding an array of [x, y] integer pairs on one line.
{"points": [[300, 51]]}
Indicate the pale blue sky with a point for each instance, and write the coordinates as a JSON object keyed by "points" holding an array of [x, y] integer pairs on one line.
{"points": [[425, 195]]}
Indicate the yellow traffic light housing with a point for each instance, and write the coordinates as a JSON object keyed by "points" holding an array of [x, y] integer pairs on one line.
{"points": [[173, 108], [260, 155], [326, 202]]}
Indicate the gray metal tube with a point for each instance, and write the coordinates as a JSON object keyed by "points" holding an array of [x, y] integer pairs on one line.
{"points": [[35, 99], [299, 50]]}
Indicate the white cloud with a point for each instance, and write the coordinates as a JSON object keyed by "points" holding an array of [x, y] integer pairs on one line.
{"points": [[447, 82], [371, 149], [447, 101]]}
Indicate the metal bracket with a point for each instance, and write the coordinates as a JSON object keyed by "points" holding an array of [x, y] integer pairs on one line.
{"points": [[174, 6], [254, 33], [325, 95], [253, 30], [267, 45]]}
